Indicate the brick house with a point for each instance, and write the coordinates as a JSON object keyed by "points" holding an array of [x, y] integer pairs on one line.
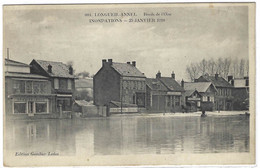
{"points": [[27, 95], [240, 92], [119, 82], [164, 94], [204, 99], [62, 81], [223, 96]]}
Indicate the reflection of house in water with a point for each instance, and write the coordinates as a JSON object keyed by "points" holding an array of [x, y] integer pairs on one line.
{"points": [[26, 94], [42, 136], [170, 135]]}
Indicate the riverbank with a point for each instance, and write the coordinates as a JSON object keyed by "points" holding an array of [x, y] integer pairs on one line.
{"points": [[192, 114]]}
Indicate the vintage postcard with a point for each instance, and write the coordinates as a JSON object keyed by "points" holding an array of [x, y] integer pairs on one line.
{"points": [[129, 84]]}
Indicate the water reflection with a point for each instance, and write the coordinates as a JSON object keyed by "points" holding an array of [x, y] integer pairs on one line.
{"points": [[130, 135]]}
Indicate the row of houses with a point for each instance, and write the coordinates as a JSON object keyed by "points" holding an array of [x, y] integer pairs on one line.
{"points": [[42, 89], [46, 89], [123, 84]]}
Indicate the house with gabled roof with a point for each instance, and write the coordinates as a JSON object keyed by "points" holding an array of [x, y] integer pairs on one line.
{"points": [[164, 94], [62, 81], [119, 82], [223, 96], [199, 94], [27, 95]]}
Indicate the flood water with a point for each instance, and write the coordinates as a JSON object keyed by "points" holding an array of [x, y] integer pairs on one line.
{"points": [[130, 135]]}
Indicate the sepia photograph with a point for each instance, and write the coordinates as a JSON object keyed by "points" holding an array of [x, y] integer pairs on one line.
{"points": [[129, 84]]}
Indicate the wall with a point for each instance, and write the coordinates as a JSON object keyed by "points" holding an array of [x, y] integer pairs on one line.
{"points": [[106, 86], [20, 69], [94, 111], [10, 98], [240, 96]]}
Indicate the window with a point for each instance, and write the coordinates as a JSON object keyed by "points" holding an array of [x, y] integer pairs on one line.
{"points": [[70, 84], [19, 86], [63, 84], [56, 83], [41, 107], [211, 99], [198, 104], [28, 86], [168, 100], [208, 98], [204, 98], [19, 107], [177, 101]]}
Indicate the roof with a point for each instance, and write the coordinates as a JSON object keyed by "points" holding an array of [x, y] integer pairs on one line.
{"points": [[199, 86], [82, 102], [24, 75], [15, 63], [190, 92], [125, 69], [84, 83], [153, 83], [217, 81], [59, 69], [171, 84]]}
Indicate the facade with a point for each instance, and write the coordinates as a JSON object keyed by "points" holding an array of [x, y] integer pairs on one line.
{"points": [[62, 82], [164, 94], [27, 95], [240, 92], [193, 100], [223, 96], [199, 94], [119, 82]]}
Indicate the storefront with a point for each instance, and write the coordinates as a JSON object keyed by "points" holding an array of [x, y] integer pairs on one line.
{"points": [[65, 102], [31, 105]]}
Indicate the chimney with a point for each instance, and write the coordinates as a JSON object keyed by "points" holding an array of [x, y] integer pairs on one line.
{"points": [[49, 68], [230, 77], [247, 82], [103, 62], [71, 70], [134, 63], [128, 63], [110, 61], [182, 83], [232, 82], [173, 75], [158, 75], [216, 75]]}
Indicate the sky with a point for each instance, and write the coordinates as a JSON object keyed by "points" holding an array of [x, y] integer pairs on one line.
{"points": [[65, 34]]}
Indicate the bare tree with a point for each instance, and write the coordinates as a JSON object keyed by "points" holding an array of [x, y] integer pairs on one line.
{"points": [[223, 67], [242, 68], [202, 66], [193, 71]]}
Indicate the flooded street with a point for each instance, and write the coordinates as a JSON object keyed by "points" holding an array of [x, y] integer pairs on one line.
{"points": [[122, 135]]}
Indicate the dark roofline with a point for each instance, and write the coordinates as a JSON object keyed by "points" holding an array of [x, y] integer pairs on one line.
{"points": [[170, 88], [22, 64], [52, 76], [130, 65]]}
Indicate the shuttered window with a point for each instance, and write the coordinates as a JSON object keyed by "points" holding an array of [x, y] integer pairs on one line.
{"points": [[56, 83]]}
